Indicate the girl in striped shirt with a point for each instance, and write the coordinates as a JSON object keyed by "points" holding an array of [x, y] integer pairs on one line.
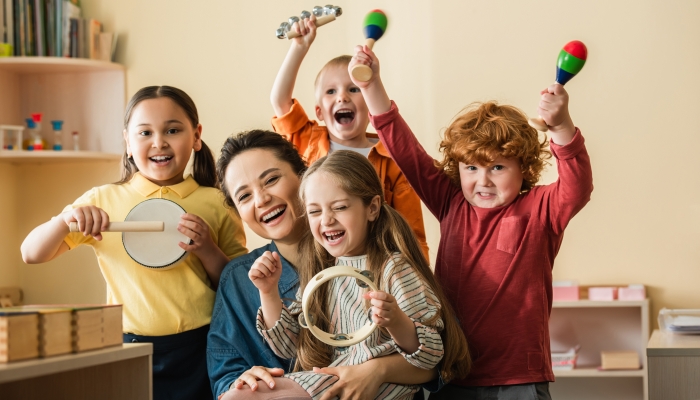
{"points": [[350, 224]]}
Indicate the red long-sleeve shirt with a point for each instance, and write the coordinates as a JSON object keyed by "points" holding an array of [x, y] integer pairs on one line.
{"points": [[495, 264]]}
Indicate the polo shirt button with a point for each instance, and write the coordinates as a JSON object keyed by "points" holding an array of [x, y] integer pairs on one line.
{"points": [[165, 190]]}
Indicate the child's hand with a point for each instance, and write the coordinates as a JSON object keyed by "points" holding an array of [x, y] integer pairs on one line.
{"points": [[91, 220], [197, 230], [554, 109], [364, 56], [306, 28], [385, 310], [266, 272]]}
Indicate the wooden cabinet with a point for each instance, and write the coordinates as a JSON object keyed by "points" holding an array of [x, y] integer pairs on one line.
{"points": [[89, 96], [120, 372], [600, 326], [674, 366]]}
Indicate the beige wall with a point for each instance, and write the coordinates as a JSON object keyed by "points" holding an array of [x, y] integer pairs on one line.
{"points": [[634, 100]]}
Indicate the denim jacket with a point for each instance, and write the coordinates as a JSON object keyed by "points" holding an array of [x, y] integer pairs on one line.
{"points": [[233, 344]]}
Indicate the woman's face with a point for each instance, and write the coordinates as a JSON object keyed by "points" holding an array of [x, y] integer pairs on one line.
{"points": [[265, 191]]}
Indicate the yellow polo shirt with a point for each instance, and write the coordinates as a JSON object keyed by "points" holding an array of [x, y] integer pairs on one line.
{"points": [[157, 302]]}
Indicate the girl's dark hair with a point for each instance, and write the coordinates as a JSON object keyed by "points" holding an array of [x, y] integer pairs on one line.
{"points": [[256, 139], [203, 167], [387, 235]]}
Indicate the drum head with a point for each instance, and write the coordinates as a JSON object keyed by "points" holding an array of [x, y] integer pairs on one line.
{"points": [[157, 250]]}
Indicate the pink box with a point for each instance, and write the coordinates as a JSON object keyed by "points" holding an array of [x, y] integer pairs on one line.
{"points": [[565, 293], [632, 293], [602, 293]]}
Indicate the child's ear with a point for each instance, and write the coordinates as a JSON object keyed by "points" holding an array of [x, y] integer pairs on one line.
{"points": [[319, 115], [198, 138], [374, 207]]}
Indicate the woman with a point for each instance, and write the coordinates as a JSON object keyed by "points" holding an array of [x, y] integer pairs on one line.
{"points": [[260, 174]]}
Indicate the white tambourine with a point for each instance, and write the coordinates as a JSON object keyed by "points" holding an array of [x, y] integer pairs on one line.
{"points": [[336, 339], [156, 250]]}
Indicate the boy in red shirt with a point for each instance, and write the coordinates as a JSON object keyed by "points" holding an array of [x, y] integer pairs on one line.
{"points": [[499, 232], [340, 105]]}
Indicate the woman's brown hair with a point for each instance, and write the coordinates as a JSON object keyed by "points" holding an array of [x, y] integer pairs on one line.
{"points": [[482, 132], [203, 168], [388, 235]]}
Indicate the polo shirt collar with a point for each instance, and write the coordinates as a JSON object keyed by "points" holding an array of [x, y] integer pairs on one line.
{"points": [[147, 188]]}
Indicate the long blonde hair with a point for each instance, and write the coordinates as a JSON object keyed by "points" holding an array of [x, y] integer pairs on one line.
{"points": [[388, 234]]}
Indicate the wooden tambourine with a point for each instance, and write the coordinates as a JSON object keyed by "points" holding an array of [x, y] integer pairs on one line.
{"points": [[336, 339], [150, 235]]}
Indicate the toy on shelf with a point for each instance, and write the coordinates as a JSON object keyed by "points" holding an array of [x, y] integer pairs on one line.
{"points": [[374, 27], [11, 137], [76, 141], [57, 134], [570, 61], [323, 16]]}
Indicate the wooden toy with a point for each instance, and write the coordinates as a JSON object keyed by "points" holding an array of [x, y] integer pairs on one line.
{"points": [[323, 16], [19, 335], [338, 339], [374, 27], [570, 61]]}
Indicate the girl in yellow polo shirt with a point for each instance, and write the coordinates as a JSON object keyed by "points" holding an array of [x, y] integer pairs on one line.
{"points": [[172, 308]]}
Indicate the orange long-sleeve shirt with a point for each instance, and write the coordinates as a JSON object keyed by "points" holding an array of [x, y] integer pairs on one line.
{"points": [[313, 142]]}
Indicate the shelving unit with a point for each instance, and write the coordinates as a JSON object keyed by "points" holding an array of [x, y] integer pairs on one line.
{"points": [[90, 97], [600, 326]]}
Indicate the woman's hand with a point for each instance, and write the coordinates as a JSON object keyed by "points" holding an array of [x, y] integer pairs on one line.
{"points": [[91, 220], [265, 272], [253, 375], [355, 382]]}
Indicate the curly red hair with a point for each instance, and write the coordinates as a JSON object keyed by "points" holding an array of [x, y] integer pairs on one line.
{"points": [[482, 132]]}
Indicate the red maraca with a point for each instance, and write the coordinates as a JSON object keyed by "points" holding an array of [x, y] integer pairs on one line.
{"points": [[571, 60], [374, 27]]}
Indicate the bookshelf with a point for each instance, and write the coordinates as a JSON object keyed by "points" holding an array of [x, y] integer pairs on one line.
{"points": [[600, 326], [90, 97]]}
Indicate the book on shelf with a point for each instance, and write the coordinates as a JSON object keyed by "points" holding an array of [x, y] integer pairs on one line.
{"points": [[52, 28], [19, 335]]}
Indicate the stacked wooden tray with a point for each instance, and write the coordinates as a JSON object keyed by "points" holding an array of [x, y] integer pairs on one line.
{"points": [[45, 330]]}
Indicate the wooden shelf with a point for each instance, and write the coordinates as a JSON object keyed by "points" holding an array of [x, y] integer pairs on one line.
{"points": [[18, 370], [603, 304], [55, 65], [40, 156], [592, 372]]}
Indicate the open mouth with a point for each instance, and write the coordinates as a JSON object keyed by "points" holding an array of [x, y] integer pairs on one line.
{"points": [[333, 236], [273, 215], [160, 159], [344, 116]]}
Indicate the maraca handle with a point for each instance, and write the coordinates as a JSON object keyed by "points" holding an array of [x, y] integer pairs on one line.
{"points": [[538, 123], [320, 21], [362, 72], [128, 226]]}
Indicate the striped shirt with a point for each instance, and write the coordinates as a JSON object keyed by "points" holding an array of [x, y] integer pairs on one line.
{"points": [[349, 313]]}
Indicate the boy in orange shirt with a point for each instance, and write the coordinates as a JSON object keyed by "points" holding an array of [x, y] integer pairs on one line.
{"points": [[339, 103]]}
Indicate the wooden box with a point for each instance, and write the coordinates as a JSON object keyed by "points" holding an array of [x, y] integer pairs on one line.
{"points": [[19, 335], [619, 360]]}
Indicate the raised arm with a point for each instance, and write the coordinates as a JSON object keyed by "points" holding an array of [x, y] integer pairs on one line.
{"points": [[373, 91], [554, 109], [282, 89]]}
